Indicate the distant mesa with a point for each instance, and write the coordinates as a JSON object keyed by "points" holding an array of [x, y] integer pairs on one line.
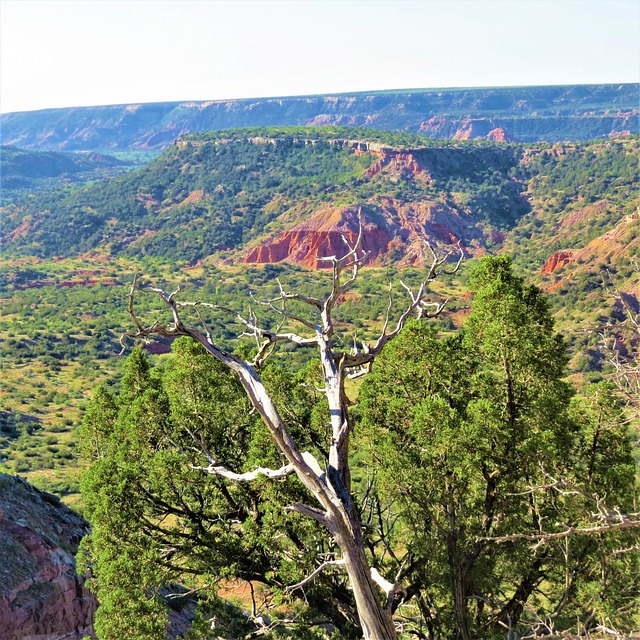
{"points": [[292, 195], [525, 114]]}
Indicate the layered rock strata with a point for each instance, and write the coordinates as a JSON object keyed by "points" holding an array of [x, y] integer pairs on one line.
{"points": [[41, 595]]}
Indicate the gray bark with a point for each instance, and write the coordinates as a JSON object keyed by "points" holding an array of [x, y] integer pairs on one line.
{"points": [[330, 488]]}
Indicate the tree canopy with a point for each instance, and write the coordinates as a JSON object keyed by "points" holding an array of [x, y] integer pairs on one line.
{"points": [[477, 437], [483, 481]]}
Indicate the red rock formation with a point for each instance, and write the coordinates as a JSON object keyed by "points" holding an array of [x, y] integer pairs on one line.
{"points": [[499, 135], [398, 161], [471, 128], [320, 236], [390, 227], [556, 261], [41, 596], [621, 241], [464, 128], [617, 243], [22, 230]]}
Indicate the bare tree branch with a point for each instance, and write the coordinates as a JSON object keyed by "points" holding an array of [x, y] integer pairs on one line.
{"points": [[613, 523], [220, 470], [331, 488], [311, 512], [311, 576]]}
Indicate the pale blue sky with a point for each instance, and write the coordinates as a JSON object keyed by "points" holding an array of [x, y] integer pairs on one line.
{"points": [[60, 53]]}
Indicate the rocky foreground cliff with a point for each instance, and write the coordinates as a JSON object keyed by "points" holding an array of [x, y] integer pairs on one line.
{"points": [[41, 595]]}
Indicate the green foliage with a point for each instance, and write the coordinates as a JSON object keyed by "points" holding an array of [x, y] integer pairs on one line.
{"points": [[459, 429], [592, 185], [24, 172], [158, 520], [211, 193]]}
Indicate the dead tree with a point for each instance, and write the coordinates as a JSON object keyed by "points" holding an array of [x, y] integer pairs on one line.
{"points": [[331, 486]]}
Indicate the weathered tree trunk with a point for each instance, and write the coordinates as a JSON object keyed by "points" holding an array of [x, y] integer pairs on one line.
{"points": [[340, 517], [331, 488], [376, 621], [460, 583], [460, 598]]}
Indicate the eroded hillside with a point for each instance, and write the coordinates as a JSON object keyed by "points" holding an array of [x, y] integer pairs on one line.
{"points": [[272, 195], [226, 213]]}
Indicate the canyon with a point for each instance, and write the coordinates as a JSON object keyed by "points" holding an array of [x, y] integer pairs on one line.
{"points": [[525, 114]]}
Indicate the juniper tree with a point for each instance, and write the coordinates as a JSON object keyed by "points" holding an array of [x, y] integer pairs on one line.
{"points": [[328, 499], [490, 464]]}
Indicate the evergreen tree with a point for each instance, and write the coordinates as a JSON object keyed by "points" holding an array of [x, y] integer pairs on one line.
{"points": [[159, 520], [484, 459], [468, 434]]}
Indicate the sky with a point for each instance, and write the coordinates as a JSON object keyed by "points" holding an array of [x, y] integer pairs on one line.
{"points": [[64, 53]]}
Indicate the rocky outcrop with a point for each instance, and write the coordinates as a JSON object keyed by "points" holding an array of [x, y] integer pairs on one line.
{"points": [[583, 214], [467, 128], [41, 596], [557, 261], [471, 128], [319, 236], [392, 230], [499, 135], [616, 244], [399, 162]]}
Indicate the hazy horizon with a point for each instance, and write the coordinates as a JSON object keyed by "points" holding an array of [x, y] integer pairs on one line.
{"points": [[315, 95], [74, 53]]}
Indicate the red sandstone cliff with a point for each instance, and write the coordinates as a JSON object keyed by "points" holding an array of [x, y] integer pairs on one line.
{"points": [[319, 236], [41, 596], [398, 162], [499, 135], [557, 261], [609, 247], [389, 227]]}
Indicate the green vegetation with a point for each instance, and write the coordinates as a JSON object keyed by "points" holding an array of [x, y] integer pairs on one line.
{"points": [[215, 192], [24, 172], [461, 431], [62, 318], [157, 520], [464, 423], [591, 185], [459, 440], [61, 328]]}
